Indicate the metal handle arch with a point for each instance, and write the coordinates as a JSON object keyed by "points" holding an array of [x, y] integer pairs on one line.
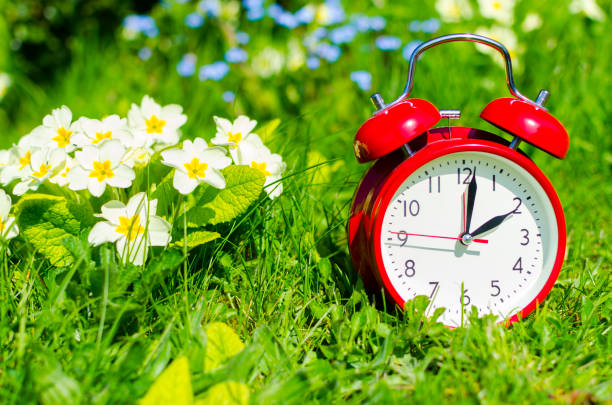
{"points": [[469, 38]]}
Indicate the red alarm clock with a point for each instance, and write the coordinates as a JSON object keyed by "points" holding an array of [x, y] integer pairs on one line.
{"points": [[458, 214]]}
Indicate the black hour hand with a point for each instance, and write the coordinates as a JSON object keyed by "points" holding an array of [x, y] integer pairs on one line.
{"points": [[491, 223]]}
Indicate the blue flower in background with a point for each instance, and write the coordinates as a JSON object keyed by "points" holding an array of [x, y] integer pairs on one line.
{"points": [[343, 35], [305, 15], [431, 25], [363, 79], [329, 52], [409, 48], [275, 10], [242, 37], [255, 14], [142, 24], [388, 43], [236, 55], [287, 20], [228, 96], [145, 53], [414, 26], [335, 12], [361, 22], [319, 33], [187, 65], [249, 4], [311, 40], [313, 62], [194, 20], [215, 71], [210, 7], [377, 23]]}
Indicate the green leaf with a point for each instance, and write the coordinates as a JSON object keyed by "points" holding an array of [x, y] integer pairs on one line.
{"points": [[173, 386], [46, 222], [266, 130], [243, 187], [222, 343], [196, 238], [226, 393]]}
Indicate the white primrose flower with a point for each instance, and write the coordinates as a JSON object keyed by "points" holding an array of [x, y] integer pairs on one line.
{"points": [[44, 163], [196, 163], [234, 134], [152, 124], [94, 132], [269, 164], [499, 10], [61, 178], [8, 227], [137, 157], [133, 227], [57, 130], [99, 166], [17, 165], [454, 10]]}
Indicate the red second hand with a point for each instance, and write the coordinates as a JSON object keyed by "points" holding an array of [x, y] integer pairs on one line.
{"points": [[439, 237]]}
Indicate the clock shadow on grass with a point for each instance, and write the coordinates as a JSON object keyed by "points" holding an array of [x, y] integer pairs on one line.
{"points": [[458, 251]]}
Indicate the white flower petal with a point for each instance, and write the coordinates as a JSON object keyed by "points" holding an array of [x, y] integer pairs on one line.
{"points": [[123, 177], [137, 204], [112, 151], [87, 156], [183, 183], [174, 158], [78, 178], [5, 205], [159, 231], [95, 187], [103, 232], [10, 230], [214, 178], [134, 252], [112, 210]]}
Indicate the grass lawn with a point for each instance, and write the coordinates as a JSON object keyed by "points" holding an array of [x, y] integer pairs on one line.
{"points": [[280, 275]]}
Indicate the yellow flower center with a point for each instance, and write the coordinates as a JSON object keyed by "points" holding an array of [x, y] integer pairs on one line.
{"points": [[63, 137], [102, 170], [102, 136], [2, 226], [130, 227], [234, 137], [196, 169], [42, 171], [25, 160], [261, 167], [65, 172], [155, 125], [496, 5]]}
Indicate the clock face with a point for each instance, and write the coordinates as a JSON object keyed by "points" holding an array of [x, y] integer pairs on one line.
{"points": [[469, 229]]}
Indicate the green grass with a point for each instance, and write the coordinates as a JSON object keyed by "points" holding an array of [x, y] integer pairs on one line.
{"points": [[282, 276]]}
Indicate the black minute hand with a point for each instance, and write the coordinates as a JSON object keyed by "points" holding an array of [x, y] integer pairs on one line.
{"points": [[491, 223], [470, 201]]}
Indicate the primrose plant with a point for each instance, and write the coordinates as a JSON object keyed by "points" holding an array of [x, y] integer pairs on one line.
{"points": [[137, 176]]}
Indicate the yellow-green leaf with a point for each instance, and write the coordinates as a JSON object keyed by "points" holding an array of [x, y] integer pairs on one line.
{"points": [[173, 386], [196, 238], [222, 343], [243, 187], [46, 221], [226, 393]]}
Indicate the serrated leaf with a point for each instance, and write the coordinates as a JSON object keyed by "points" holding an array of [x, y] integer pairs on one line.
{"points": [[243, 187], [221, 344], [226, 393], [46, 222], [196, 238], [173, 386]]}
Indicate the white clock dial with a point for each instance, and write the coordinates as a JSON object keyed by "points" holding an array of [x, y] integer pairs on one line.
{"points": [[500, 270]]}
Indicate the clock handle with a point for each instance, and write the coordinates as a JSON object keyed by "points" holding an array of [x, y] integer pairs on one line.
{"points": [[542, 97]]}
